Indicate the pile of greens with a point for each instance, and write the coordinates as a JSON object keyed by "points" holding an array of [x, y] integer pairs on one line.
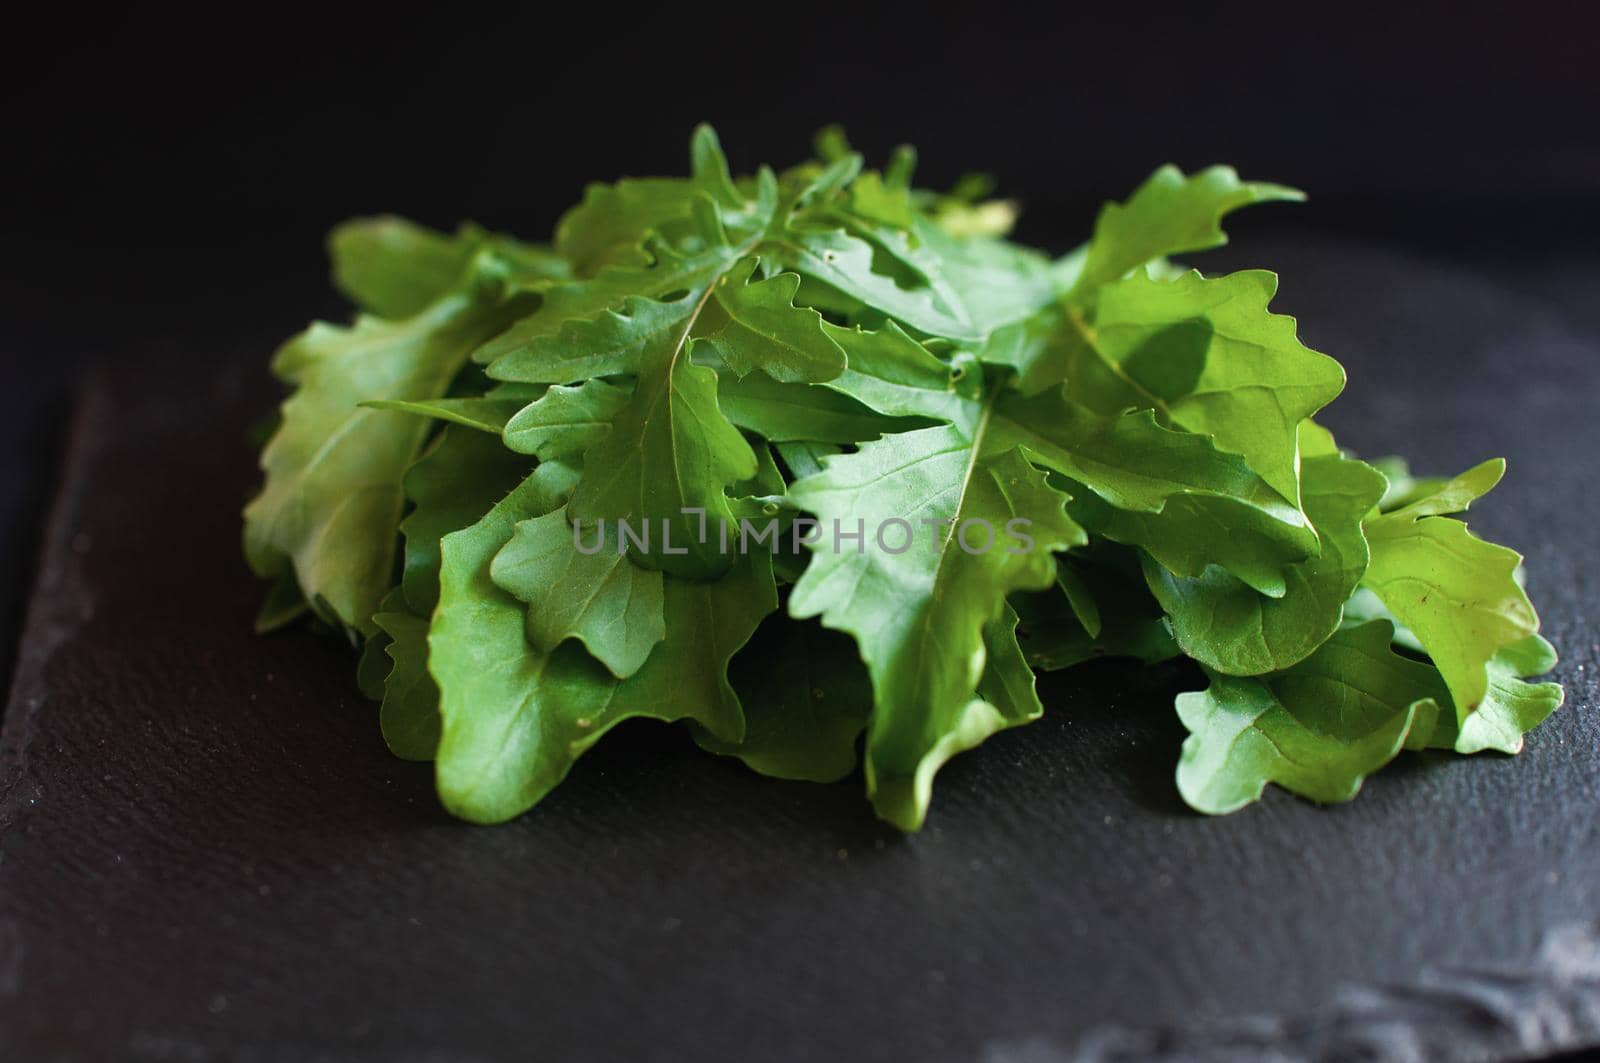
{"points": [[802, 456]]}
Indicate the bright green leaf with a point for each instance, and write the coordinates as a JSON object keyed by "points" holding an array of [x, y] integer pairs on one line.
{"points": [[515, 720], [332, 500], [589, 592], [917, 596], [1207, 356], [1317, 729], [1231, 628], [1168, 215], [1457, 593]]}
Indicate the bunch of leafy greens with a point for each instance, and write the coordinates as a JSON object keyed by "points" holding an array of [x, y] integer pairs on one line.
{"points": [[738, 451]]}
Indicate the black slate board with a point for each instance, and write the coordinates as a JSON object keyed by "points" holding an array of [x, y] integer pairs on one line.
{"points": [[206, 852]]}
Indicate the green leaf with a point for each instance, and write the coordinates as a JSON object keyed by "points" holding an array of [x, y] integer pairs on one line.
{"points": [[669, 454], [915, 257], [462, 474], [997, 283], [757, 326], [1457, 593], [664, 466], [891, 373], [1364, 606], [804, 459], [1080, 598], [394, 268], [612, 342], [1031, 346], [1511, 707], [813, 187], [845, 263], [830, 143], [802, 412], [768, 482], [1169, 486], [1053, 633], [1000, 460], [409, 716], [1195, 533], [1317, 442], [1169, 214], [566, 421], [599, 598], [372, 668], [331, 505], [612, 225], [918, 612], [1207, 356], [1128, 459], [515, 720], [1005, 697], [1439, 497], [1008, 687], [802, 720], [691, 265], [874, 199], [283, 605], [1231, 628], [1172, 492], [485, 414], [710, 169], [1317, 729]]}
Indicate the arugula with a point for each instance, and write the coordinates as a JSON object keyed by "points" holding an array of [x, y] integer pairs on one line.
{"points": [[826, 466]]}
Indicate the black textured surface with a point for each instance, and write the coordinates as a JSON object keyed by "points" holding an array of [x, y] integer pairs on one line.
{"points": [[205, 851]]}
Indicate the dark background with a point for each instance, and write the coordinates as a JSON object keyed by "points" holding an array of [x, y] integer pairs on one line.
{"points": [[168, 185]]}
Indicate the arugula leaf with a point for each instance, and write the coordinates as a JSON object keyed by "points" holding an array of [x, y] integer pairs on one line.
{"points": [[1128, 460], [1005, 697], [997, 283], [699, 256], [394, 268], [599, 598], [1231, 628], [1316, 729], [455, 482], [668, 449], [757, 326], [612, 225], [283, 605], [409, 716], [918, 614], [487, 413], [1195, 532], [963, 458], [374, 664], [1457, 593], [1207, 356], [331, 505], [1099, 608], [515, 719], [1168, 215], [566, 421], [1511, 707], [785, 413], [801, 722]]}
